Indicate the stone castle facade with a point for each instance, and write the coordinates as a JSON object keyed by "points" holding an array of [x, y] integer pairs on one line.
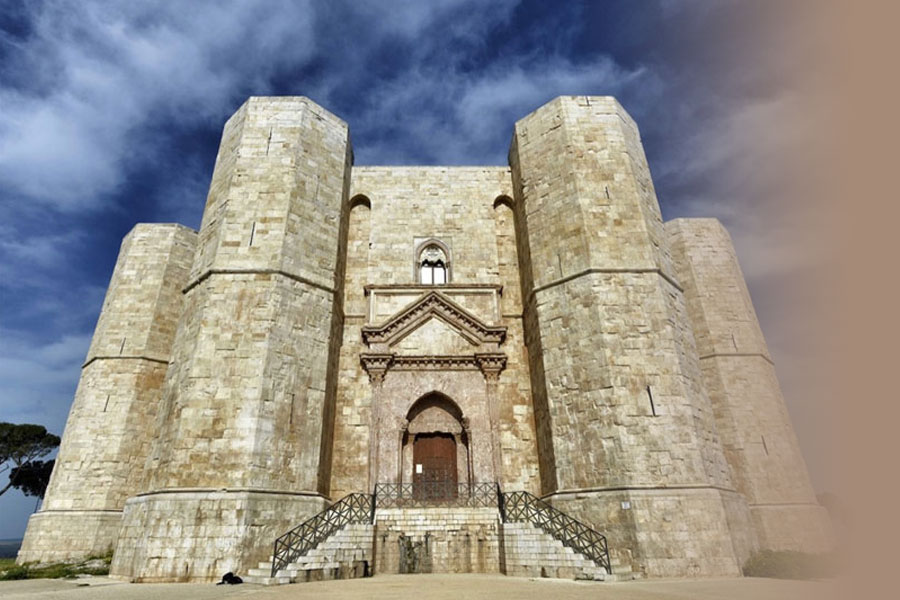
{"points": [[334, 326]]}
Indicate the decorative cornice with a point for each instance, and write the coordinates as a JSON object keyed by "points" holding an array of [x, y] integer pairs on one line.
{"points": [[491, 365], [433, 304], [405, 288], [376, 365], [435, 363]]}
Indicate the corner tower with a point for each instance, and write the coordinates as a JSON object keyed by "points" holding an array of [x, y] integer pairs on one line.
{"points": [[111, 423], [244, 444], [739, 374], [625, 429]]}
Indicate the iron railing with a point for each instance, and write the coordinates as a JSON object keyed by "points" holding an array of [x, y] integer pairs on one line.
{"points": [[436, 493], [525, 507], [353, 508]]}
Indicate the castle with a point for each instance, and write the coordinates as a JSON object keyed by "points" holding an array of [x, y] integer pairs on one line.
{"points": [[332, 327]]}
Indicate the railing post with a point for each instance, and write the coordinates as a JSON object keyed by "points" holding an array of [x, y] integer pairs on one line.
{"points": [[274, 556]]}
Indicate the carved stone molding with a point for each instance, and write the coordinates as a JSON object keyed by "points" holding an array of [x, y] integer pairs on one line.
{"points": [[376, 365], [435, 363], [491, 365], [433, 304]]}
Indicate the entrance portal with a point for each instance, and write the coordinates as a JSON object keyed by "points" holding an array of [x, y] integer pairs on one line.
{"points": [[434, 466]]}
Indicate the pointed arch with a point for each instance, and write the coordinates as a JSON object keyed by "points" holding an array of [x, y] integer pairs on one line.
{"points": [[432, 262], [434, 398]]}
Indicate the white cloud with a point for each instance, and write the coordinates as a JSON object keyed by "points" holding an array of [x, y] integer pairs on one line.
{"points": [[459, 117], [37, 381], [112, 67]]}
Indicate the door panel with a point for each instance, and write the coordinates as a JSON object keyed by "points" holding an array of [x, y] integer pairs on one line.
{"points": [[434, 466]]}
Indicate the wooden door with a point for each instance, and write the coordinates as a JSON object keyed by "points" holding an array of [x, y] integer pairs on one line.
{"points": [[434, 466]]}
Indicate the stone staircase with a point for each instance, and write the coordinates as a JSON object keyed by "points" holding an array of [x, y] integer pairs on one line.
{"points": [[346, 554], [340, 543], [437, 540], [530, 552]]}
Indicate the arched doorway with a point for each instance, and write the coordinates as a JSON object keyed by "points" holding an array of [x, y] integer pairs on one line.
{"points": [[435, 452]]}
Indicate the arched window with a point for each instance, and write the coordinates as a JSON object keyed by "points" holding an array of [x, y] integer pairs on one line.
{"points": [[433, 265]]}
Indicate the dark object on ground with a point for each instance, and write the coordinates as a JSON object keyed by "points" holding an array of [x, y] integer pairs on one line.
{"points": [[231, 579]]}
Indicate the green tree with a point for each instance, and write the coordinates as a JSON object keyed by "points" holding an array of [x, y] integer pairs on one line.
{"points": [[20, 446], [32, 477]]}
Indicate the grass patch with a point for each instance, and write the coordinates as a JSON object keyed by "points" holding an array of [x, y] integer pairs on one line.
{"points": [[93, 565], [791, 565]]}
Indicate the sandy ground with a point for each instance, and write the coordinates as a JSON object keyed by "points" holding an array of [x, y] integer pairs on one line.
{"points": [[428, 587]]}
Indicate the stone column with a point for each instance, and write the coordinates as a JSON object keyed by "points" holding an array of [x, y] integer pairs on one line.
{"points": [[244, 451], [491, 366], [112, 422], [376, 365]]}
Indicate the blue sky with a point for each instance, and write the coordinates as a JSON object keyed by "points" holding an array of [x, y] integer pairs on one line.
{"points": [[110, 114]]}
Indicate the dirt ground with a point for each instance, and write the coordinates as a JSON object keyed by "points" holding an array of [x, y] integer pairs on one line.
{"points": [[429, 587]]}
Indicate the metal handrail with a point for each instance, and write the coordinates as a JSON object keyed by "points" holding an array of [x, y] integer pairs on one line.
{"points": [[353, 508], [525, 507], [436, 493]]}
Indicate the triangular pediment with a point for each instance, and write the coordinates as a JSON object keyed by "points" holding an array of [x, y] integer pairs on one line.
{"points": [[434, 336], [430, 306]]}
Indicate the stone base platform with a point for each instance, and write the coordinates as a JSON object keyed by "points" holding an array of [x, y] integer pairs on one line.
{"points": [[56, 536], [199, 535]]}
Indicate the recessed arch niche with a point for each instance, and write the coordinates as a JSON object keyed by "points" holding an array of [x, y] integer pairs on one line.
{"points": [[435, 427]]}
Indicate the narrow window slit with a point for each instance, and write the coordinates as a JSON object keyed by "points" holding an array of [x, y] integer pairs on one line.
{"points": [[252, 233], [652, 405], [291, 419], [765, 447], [122, 347], [107, 403]]}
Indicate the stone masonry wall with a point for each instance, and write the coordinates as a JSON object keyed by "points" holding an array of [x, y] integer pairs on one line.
{"points": [[109, 429], [437, 540], [396, 208], [602, 358], [738, 372], [623, 399], [248, 403]]}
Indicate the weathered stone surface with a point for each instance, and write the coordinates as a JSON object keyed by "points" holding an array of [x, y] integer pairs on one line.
{"points": [[616, 377], [433, 540], [536, 325], [754, 425], [109, 430], [249, 398]]}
